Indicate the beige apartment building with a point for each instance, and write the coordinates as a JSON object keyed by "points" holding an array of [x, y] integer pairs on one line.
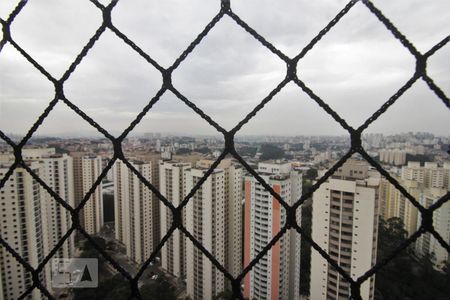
{"points": [[86, 169], [56, 171], [213, 217], [171, 186], [276, 276], [417, 180], [394, 157], [133, 210], [394, 204], [21, 226], [427, 243], [345, 224], [205, 220], [430, 175], [153, 158]]}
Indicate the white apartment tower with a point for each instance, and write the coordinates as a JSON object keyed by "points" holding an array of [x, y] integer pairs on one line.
{"points": [[205, 220], [345, 225], [133, 210], [276, 276], [21, 226], [154, 159], [213, 216], [234, 180], [57, 173], [427, 243], [171, 186], [86, 169], [394, 157]]}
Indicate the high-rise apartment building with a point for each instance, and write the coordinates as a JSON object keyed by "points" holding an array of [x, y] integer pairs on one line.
{"points": [[416, 179], [427, 243], [171, 186], [345, 225], [153, 159], [394, 157], [133, 210], [205, 220], [21, 226], [86, 169], [214, 217], [395, 204], [276, 276], [430, 175], [54, 220], [57, 173]]}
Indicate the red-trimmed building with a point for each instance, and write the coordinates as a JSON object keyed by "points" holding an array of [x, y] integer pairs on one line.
{"points": [[276, 275]]}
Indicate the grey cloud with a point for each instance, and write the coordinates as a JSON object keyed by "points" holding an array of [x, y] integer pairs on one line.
{"points": [[355, 68], [424, 23], [170, 115], [62, 121], [438, 68], [164, 29], [418, 108], [113, 76], [292, 111], [289, 25], [24, 92], [53, 32]]}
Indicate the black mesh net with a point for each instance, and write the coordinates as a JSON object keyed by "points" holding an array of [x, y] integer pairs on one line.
{"points": [[291, 76]]}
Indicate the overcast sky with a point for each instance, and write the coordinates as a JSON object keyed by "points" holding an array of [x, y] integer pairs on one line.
{"points": [[355, 68]]}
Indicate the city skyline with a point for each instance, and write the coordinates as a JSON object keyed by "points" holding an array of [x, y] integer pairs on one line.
{"points": [[232, 215], [163, 135]]}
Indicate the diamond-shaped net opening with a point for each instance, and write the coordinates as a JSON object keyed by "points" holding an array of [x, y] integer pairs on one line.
{"points": [[174, 223]]}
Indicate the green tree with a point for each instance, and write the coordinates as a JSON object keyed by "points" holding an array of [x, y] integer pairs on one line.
{"points": [[305, 248], [98, 240], [422, 158], [203, 150], [89, 251], [311, 174], [224, 295], [270, 151], [248, 151], [158, 289], [108, 208], [407, 276], [58, 149], [288, 156], [182, 151], [391, 234], [116, 287], [306, 185]]}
